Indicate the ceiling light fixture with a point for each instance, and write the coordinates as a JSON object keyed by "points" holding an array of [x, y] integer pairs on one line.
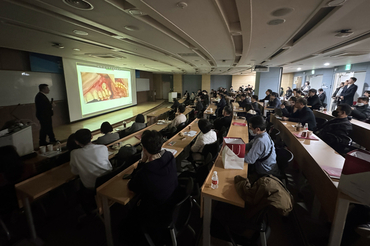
{"points": [[282, 12], [299, 69], [79, 32], [182, 5], [136, 12], [335, 3], [326, 64], [132, 28], [275, 22], [79, 4], [344, 33], [75, 49]]}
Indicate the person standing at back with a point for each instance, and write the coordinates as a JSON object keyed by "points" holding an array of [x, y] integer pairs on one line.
{"points": [[304, 114], [349, 91], [44, 112]]}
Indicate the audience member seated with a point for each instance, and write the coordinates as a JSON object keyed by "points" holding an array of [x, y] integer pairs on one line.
{"points": [[367, 94], [287, 108], [255, 105], [198, 107], [274, 100], [66, 156], [297, 93], [335, 132], [306, 88], [313, 100], [192, 96], [206, 136], [224, 121], [138, 124], [244, 102], [288, 93], [109, 137], [175, 104], [220, 105], [304, 114], [322, 96], [180, 117], [361, 111], [267, 97], [155, 177], [261, 150], [90, 161]]}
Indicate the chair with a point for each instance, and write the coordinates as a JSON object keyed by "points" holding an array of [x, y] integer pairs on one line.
{"points": [[173, 217], [172, 115], [191, 116], [320, 122], [181, 126], [283, 158], [221, 134]]}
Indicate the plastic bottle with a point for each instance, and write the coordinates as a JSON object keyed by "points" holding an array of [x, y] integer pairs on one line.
{"points": [[214, 184], [306, 127], [59, 146]]}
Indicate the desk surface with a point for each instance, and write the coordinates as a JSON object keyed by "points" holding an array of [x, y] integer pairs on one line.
{"points": [[158, 112], [226, 191], [211, 106], [181, 144], [237, 108]]}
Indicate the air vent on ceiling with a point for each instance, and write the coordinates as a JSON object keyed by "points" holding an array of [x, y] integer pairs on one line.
{"points": [[277, 53], [258, 68], [187, 54], [121, 4], [357, 39], [104, 55], [79, 4], [346, 54]]}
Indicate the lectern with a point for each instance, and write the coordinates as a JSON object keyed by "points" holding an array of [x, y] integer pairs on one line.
{"points": [[21, 139]]}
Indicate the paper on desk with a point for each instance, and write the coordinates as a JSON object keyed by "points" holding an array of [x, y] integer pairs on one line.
{"points": [[190, 134], [173, 151]]}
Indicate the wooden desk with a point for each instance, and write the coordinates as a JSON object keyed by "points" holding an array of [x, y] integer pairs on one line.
{"points": [[182, 100], [35, 187], [115, 190], [151, 117], [211, 106], [226, 191], [311, 156], [266, 109], [360, 130]]}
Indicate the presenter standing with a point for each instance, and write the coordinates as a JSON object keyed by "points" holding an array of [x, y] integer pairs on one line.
{"points": [[44, 112]]}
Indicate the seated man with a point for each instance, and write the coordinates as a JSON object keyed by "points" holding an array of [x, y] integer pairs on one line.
{"points": [[220, 105], [206, 136], [90, 161], [175, 104], [109, 137], [288, 109], [138, 124], [304, 114], [261, 150], [361, 111], [255, 105], [274, 100], [180, 118], [224, 121], [243, 103], [367, 94], [313, 100], [267, 97], [155, 177], [335, 131]]}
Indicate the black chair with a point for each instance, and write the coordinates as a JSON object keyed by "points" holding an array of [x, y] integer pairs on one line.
{"points": [[173, 218], [181, 126], [320, 122], [283, 158], [172, 115], [191, 116], [221, 134]]}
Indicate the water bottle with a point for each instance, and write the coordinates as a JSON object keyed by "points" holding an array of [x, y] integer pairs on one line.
{"points": [[214, 184], [306, 127], [59, 146]]}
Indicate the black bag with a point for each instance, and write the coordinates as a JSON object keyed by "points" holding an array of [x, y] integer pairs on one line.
{"points": [[126, 151]]}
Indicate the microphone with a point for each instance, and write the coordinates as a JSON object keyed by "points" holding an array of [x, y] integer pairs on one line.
{"points": [[52, 100]]}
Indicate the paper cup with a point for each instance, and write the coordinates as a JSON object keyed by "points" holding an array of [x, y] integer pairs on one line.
{"points": [[42, 149], [304, 134], [50, 147], [309, 134]]}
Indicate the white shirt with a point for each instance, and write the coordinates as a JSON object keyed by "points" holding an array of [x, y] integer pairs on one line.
{"points": [[178, 120], [90, 162], [204, 139]]}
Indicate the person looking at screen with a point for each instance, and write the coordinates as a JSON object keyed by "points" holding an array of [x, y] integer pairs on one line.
{"points": [[180, 117], [349, 91], [138, 124], [109, 137], [90, 161], [267, 97], [313, 99], [367, 94], [175, 104], [44, 112], [274, 100], [306, 87], [304, 114], [206, 136], [225, 120], [288, 108]]}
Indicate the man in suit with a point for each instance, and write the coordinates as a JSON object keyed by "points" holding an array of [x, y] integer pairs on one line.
{"points": [[304, 114], [44, 112], [313, 100], [361, 111], [322, 96], [349, 91]]}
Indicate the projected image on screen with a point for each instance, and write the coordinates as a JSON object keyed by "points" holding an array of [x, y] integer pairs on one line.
{"points": [[99, 87]]}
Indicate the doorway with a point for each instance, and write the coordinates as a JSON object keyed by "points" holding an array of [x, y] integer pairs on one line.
{"points": [[166, 87]]}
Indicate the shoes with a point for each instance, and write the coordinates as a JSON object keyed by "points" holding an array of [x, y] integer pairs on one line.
{"points": [[364, 230]]}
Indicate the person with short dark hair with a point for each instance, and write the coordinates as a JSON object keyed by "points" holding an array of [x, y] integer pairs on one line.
{"points": [[44, 113], [138, 125], [155, 177], [288, 93], [313, 100], [267, 97], [349, 91], [180, 118], [261, 150], [304, 114], [367, 94], [274, 101], [335, 132], [109, 137], [336, 95], [361, 111], [322, 96], [255, 105], [90, 161], [175, 104], [220, 105], [288, 109], [206, 136], [225, 120]]}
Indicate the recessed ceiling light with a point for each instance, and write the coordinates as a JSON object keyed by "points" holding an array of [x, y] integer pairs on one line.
{"points": [[58, 45], [132, 28], [326, 64], [76, 49], [336, 3], [299, 69], [79, 32], [79, 4], [282, 11], [136, 12], [275, 22]]}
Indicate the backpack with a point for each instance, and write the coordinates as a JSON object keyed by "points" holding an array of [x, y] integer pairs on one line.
{"points": [[126, 151]]}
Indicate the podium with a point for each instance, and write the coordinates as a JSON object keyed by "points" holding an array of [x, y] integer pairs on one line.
{"points": [[171, 96], [21, 139]]}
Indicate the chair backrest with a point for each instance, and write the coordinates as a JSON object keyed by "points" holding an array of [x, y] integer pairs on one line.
{"points": [[107, 176], [210, 148], [320, 122], [283, 158], [203, 170], [181, 126]]}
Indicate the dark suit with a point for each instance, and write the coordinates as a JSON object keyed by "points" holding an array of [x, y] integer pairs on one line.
{"points": [[361, 112], [314, 102], [322, 97], [348, 94], [305, 115], [44, 112]]}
